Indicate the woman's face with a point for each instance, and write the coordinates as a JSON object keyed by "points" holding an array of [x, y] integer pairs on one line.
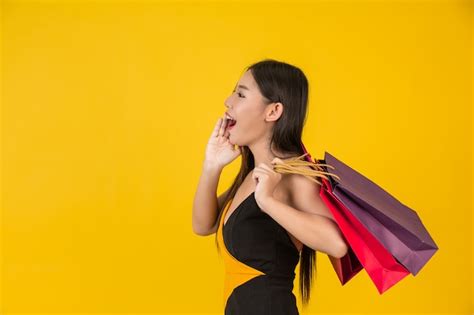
{"points": [[247, 106]]}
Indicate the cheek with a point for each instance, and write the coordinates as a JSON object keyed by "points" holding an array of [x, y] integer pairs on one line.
{"points": [[247, 122], [249, 117], [251, 126]]}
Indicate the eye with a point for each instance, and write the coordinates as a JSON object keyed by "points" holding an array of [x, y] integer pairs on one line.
{"points": [[239, 94]]}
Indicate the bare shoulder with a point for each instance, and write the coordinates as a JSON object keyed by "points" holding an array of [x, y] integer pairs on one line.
{"points": [[304, 195]]}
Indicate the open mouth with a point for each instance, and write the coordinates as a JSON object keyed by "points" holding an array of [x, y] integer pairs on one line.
{"points": [[231, 123]]}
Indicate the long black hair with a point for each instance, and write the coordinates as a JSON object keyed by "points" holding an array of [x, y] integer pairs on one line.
{"points": [[281, 82]]}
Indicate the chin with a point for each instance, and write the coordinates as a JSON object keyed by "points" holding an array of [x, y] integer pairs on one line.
{"points": [[232, 141], [237, 142]]}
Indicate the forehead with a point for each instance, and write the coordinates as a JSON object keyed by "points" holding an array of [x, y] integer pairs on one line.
{"points": [[247, 80]]}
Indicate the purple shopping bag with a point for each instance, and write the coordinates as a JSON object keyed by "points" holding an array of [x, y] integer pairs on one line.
{"points": [[392, 223]]}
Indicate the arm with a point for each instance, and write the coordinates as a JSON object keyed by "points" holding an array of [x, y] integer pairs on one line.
{"points": [[220, 201], [205, 205], [312, 223]]}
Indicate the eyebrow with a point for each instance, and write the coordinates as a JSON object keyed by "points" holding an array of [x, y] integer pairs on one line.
{"points": [[243, 87]]}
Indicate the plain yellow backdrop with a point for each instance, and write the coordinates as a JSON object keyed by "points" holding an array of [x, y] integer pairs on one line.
{"points": [[107, 107]]}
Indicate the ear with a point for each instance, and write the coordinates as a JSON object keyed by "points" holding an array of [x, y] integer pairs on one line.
{"points": [[274, 111]]}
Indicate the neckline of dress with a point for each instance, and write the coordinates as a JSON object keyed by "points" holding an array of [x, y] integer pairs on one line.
{"points": [[224, 222]]}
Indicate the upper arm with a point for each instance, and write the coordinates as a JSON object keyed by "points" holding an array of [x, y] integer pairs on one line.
{"points": [[221, 198], [220, 202], [305, 197]]}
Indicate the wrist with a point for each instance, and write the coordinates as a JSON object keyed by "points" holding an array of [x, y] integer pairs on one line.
{"points": [[209, 167]]}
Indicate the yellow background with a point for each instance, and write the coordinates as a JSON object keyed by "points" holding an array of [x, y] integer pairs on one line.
{"points": [[107, 107]]}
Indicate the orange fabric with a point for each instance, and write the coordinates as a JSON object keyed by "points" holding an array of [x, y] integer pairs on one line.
{"points": [[236, 272]]}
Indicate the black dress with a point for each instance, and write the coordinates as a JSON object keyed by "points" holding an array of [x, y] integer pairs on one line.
{"points": [[260, 261]]}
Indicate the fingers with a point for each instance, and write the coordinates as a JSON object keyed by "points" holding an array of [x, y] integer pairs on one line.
{"points": [[226, 132], [265, 166], [217, 127], [222, 127], [277, 161]]}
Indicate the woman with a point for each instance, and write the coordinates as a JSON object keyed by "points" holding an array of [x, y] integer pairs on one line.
{"points": [[267, 221]]}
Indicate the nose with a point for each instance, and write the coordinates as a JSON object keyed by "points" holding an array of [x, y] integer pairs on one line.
{"points": [[226, 103]]}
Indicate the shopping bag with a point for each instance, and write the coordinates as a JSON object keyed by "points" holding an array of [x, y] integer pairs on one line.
{"points": [[392, 223], [347, 266], [384, 270]]}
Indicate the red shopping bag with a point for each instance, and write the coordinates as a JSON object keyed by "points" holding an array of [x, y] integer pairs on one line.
{"points": [[347, 266], [384, 270]]}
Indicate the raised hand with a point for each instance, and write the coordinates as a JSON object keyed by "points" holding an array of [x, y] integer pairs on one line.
{"points": [[219, 150]]}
